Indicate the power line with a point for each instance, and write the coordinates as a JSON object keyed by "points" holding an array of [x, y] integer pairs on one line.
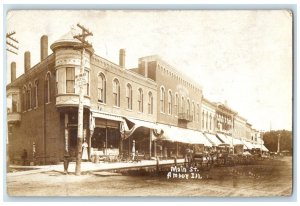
{"points": [[10, 46]]}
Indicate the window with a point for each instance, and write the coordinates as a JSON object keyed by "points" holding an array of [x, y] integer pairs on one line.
{"points": [[182, 104], [198, 113], [176, 104], [202, 119], [101, 88], [24, 102], [129, 96], [162, 99], [169, 102], [193, 111], [150, 103], [206, 123], [14, 105], [47, 87], [35, 94], [29, 97], [116, 92], [140, 100], [70, 80], [210, 119], [86, 87], [188, 111]]}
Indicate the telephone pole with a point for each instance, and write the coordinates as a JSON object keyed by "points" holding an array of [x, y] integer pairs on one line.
{"points": [[10, 46], [81, 80]]}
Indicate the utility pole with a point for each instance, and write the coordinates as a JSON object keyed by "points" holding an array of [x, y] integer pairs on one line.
{"points": [[278, 143], [10, 47], [81, 80]]}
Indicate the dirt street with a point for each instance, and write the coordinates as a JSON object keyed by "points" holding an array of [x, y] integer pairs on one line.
{"points": [[265, 178]]}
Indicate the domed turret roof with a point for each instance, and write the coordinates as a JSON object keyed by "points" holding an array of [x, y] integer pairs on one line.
{"points": [[68, 40]]}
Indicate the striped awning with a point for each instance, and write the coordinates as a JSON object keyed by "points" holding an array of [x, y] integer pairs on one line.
{"points": [[213, 139]]}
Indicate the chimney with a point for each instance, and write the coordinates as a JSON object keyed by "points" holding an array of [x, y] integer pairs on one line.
{"points": [[122, 58], [26, 61], [13, 71], [44, 47]]}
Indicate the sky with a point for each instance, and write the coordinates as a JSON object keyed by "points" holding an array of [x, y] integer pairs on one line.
{"points": [[242, 57]]}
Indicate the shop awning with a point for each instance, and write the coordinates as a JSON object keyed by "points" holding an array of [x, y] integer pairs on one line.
{"points": [[97, 114], [213, 139], [107, 116], [176, 134], [224, 139], [140, 123], [248, 145], [264, 148]]}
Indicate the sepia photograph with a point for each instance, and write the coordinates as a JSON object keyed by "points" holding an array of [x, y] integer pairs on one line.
{"points": [[149, 103]]}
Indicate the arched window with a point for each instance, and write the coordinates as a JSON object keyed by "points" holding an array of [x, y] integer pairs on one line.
{"points": [[169, 102], [101, 88], [129, 96], [193, 111], [162, 99], [210, 121], [176, 104], [202, 119], [206, 125], [182, 104], [29, 97], [24, 102], [70, 80], [140, 100], [150, 103], [47, 87], [86, 87], [116, 92], [198, 113], [188, 111], [35, 94]]}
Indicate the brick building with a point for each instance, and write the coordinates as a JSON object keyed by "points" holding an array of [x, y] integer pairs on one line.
{"points": [[152, 108]]}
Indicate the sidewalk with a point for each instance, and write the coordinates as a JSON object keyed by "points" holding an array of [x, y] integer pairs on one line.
{"points": [[89, 166]]}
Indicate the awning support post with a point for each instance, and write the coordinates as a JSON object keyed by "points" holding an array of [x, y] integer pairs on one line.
{"points": [[150, 138]]}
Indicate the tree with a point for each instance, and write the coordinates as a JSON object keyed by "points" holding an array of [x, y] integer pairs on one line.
{"points": [[271, 140]]}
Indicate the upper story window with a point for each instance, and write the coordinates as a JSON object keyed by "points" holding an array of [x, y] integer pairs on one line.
{"points": [[193, 111], [47, 87], [150, 103], [14, 105], [35, 94], [188, 111], [86, 87], [101, 88], [129, 96], [162, 99], [116, 92], [198, 113], [210, 121], [140, 100], [182, 104], [29, 97], [24, 101], [206, 123], [202, 119], [70, 80], [176, 104], [169, 102]]}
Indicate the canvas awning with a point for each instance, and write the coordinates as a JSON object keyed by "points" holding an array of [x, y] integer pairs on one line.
{"points": [[264, 148], [107, 116], [213, 139], [138, 124], [248, 145], [224, 139], [176, 134]]}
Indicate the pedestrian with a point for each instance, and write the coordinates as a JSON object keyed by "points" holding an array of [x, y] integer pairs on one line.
{"points": [[84, 151]]}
